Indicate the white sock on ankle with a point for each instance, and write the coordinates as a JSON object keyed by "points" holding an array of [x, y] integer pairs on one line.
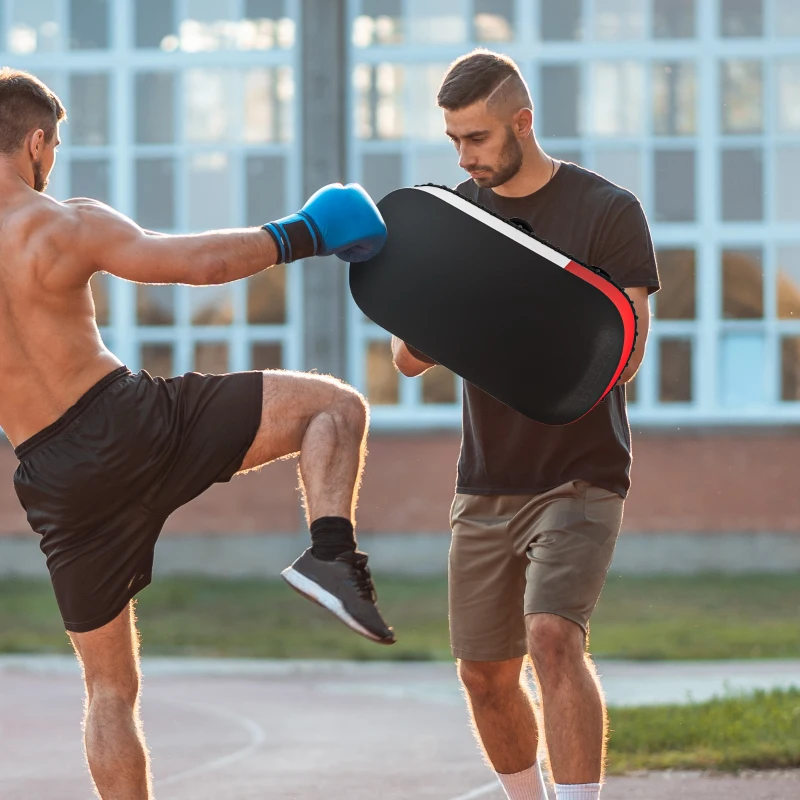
{"points": [[525, 785], [577, 791]]}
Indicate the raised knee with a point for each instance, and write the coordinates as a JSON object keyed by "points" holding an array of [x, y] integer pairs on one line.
{"points": [[488, 680], [351, 408], [553, 643]]}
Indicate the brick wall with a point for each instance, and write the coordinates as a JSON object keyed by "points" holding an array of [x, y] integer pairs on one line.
{"points": [[696, 482]]}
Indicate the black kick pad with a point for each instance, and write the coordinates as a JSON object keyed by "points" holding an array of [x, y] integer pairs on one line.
{"points": [[485, 298]]}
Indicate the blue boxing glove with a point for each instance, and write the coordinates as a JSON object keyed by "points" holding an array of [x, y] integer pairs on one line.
{"points": [[336, 220]]}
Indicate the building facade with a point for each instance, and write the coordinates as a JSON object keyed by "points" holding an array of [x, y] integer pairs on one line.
{"points": [[196, 114]]}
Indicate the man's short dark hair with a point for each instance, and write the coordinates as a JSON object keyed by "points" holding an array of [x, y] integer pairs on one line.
{"points": [[26, 105], [482, 75]]}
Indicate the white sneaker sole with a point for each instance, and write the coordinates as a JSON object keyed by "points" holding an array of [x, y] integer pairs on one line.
{"points": [[314, 592]]}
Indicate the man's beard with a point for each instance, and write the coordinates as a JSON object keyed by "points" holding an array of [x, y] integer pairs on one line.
{"points": [[39, 180], [509, 166]]}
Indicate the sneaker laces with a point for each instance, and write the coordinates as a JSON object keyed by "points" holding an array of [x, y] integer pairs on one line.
{"points": [[360, 577]]}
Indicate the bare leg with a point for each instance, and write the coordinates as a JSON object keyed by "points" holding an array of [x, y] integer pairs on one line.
{"points": [[113, 736], [325, 421], [502, 713], [572, 701]]}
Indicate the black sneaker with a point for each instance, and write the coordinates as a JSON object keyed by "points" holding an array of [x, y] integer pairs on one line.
{"points": [[345, 588]]}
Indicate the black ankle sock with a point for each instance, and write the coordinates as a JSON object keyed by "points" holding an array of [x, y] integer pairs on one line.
{"points": [[332, 536]]}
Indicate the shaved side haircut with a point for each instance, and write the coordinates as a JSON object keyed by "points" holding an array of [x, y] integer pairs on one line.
{"points": [[26, 105], [484, 75]]}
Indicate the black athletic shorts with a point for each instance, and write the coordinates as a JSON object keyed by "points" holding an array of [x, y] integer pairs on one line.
{"points": [[99, 483]]}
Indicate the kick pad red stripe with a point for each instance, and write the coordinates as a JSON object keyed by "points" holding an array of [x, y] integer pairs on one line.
{"points": [[623, 306]]}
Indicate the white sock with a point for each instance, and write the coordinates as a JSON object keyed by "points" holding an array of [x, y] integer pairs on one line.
{"points": [[525, 785], [577, 791]]}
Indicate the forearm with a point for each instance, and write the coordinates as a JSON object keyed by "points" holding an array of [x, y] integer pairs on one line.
{"points": [[219, 256]]}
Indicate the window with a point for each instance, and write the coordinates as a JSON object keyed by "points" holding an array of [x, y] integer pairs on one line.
{"points": [[379, 102], [211, 357], [675, 379], [91, 178], [742, 189], [622, 166], [380, 23], [494, 20], [266, 355], [787, 179], [438, 386], [787, 18], [788, 106], [677, 299], [33, 27], [381, 173], [742, 283], [383, 384], [88, 24], [787, 287], [438, 165], [560, 100], [154, 107], [425, 117], [155, 305], [742, 369], [89, 109], [158, 359], [155, 193], [674, 87], [741, 17], [266, 189], [790, 368], [619, 19], [209, 192], [436, 21], [742, 96], [99, 284], [266, 297], [673, 19], [211, 305], [268, 100], [674, 176], [154, 23], [209, 96], [211, 25], [561, 20], [617, 98]]}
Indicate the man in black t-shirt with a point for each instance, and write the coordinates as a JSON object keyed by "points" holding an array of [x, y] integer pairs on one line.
{"points": [[537, 509]]}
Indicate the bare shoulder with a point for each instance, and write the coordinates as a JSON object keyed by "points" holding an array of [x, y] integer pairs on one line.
{"points": [[86, 210], [56, 238], [38, 224]]}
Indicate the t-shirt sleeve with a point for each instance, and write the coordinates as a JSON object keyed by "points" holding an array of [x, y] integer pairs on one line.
{"points": [[628, 254]]}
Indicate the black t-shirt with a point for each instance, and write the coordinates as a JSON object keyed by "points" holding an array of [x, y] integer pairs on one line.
{"points": [[504, 452]]}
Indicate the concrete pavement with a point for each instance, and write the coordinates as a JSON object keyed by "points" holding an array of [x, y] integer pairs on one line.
{"points": [[305, 730]]}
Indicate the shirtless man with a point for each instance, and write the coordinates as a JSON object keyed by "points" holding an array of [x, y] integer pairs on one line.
{"points": [[106, 455]]}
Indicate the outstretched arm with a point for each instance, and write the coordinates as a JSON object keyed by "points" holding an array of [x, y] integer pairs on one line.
{"points": [[103, 240], [335, 220]]}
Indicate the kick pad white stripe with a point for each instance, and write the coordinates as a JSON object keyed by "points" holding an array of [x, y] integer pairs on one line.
{"points": [[507, 230]]}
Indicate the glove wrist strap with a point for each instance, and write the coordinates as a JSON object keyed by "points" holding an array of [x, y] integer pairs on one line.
{"points": [[294, 238]]}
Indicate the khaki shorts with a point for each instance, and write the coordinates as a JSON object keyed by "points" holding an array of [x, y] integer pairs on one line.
{"points": [[513, 555]]}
